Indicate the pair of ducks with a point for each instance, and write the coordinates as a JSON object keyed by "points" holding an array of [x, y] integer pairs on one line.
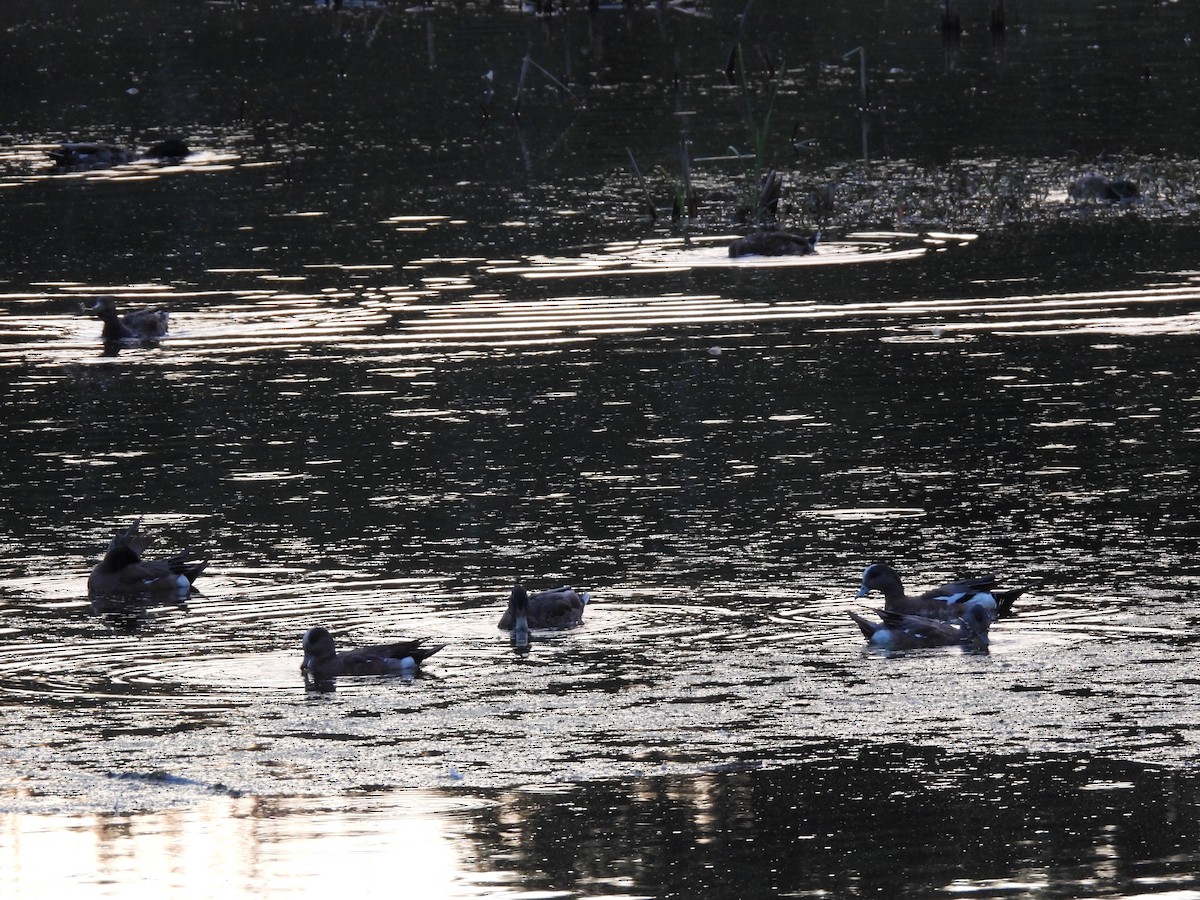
{"points": [[74, 156], [959, 612], [124, 572], [557, 608]]}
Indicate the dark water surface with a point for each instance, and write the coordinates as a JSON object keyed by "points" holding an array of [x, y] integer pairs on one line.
{"points": [[421, 349]]}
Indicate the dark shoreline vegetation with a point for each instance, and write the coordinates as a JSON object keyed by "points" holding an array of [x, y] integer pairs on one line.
{"points": [[581, 95]]}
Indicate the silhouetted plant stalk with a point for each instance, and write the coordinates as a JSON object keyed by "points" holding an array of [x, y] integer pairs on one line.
{"points": [[762, 185], [647, 200], [520, 85], [863, 85], [951, 23], [735, 62], [999, 20], [685, 204], [527, 63], [864, 97]]}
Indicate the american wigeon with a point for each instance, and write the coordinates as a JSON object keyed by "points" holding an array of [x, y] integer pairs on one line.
{"points": [[944, 602], [896, 631], [558, 608], [322, 660], [1093, 186], [773, 242], [518, 608], [124, 573], [146, 324], [74, 156]]}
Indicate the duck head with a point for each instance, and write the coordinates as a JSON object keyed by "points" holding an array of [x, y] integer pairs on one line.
{"points": [[518, 605], [977, 618], [880, 577], [318, 646]]}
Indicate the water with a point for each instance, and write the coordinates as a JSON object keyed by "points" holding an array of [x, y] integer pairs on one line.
{"points": [[418, 352]]}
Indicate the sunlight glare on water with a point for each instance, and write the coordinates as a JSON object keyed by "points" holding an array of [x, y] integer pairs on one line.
{"points": [[286, 847]]}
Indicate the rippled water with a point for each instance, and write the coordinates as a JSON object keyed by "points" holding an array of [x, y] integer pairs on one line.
{"points": [[386, 396]]}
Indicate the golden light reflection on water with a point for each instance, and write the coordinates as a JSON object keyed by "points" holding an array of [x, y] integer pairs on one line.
{"points": [[671, 256], [247, 847], [451, 311]]}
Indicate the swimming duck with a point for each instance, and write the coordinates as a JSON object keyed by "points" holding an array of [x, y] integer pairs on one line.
{"points": [[321, 659], [168, 148], [123, 571], [1093, 186], [945, 602], [558, 608], [772, 242], [518, 606], [897, 631], [147, 324], [73, 156]]}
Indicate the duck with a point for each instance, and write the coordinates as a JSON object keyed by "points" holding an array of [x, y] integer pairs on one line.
{"points": [[774, 242], [146, 324], [322, 659], [948, 601], [518, 606], [171, 148], [74, 156], [1093, 186], [899, 631], [123, 572], [557, 608]]}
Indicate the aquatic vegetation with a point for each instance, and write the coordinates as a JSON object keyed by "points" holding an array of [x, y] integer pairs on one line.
{"points": [[974, 195]]}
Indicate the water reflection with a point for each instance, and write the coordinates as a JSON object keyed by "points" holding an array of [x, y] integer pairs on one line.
{"points": [[842, 821], [132, 613], [290, 847]]}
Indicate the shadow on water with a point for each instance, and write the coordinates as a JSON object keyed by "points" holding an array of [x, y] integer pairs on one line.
{"points": [[431, 334]]}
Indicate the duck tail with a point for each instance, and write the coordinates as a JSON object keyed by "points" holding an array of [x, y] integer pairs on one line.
{"points": [[867, 627], [127, 546], [1006, 599], [191, 570], [420, 654]]}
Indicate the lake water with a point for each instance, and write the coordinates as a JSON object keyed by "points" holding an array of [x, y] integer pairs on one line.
{"points": [[422, 348]]}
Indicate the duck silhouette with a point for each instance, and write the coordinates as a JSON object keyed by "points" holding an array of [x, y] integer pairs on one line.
{"points": [[76, 156], [1093, 186], [897, 631], [146, 324], [125, 572], [945, 602], [774, 242], [557, 608], [323, 661]]}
